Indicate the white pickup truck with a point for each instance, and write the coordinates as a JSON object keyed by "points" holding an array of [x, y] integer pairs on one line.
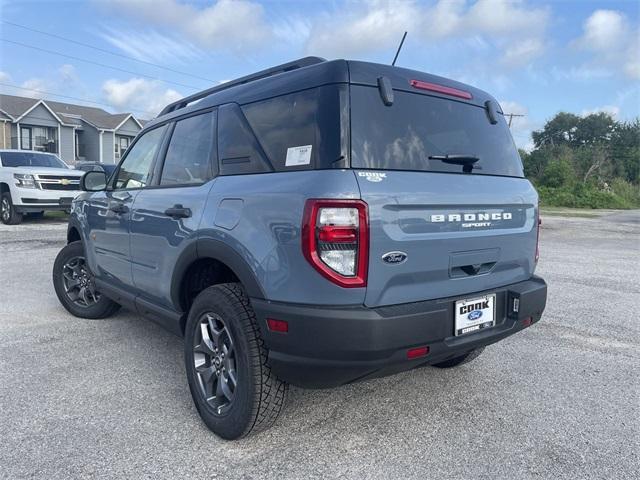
{"points": [[34, 182]]}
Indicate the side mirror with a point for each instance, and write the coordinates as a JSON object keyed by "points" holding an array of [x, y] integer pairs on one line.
{"points": [[93, 181]]}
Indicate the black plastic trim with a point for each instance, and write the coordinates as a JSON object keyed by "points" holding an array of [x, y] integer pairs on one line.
{"points": [[211, 248], [166, 318], [331, 346]]}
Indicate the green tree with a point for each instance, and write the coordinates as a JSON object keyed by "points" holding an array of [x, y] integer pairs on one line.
{"points": [[594, 129], [591, 161], [625, 150], [560, 130]]}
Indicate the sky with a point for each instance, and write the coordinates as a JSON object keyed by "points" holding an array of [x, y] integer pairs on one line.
{"points": [[536, 57]]}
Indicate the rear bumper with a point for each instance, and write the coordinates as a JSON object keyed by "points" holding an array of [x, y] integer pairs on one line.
{"points": [[327, 347]]}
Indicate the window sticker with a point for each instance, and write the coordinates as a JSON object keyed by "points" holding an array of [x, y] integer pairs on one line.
{"points": [[297, 156]]}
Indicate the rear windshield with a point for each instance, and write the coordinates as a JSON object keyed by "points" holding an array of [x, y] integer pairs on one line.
{"points": [[404, 135], [29, 159]]}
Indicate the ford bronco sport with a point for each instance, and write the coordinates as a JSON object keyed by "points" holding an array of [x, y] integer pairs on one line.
{"points": [[317, 223]]}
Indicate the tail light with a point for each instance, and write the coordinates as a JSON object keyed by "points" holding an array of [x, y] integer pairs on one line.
{"points": [[335, 240], [538, 238]]}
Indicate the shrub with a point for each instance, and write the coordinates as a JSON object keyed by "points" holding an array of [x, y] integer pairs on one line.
{"points": [[582, 196], [629, 192], [558, 173]]}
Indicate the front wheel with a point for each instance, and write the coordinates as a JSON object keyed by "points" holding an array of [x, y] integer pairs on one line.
{"points": [[75, 287], [232, 386], [8, 213]]}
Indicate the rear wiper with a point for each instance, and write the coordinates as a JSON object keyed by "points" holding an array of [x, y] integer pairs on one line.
{"points": [[467, 161]]}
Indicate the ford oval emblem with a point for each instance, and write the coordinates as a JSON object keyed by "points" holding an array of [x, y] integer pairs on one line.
{"points": [[476, 314], [394, 258]]}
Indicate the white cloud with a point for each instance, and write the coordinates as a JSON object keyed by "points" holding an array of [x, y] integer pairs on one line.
{"points": [[351, 32], [604, 30], [614, 43], [378, 24], [68, 73], [230, 25], [138, 94], [34, 88], [631, 65], [63, 79], [151, 45], [292, 30], [523, 52], [612, 110], [583, 73], [506, 17]]}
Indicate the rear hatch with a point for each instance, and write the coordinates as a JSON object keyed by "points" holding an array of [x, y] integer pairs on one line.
{"points": [[440, 226]]}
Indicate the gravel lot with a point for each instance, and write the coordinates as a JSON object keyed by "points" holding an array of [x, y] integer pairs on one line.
{"points": [[109, 398]]}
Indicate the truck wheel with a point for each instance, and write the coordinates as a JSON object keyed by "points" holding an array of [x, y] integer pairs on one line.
{"points": [[75, 288], [8, 213], [461, 360], [232, 387]]}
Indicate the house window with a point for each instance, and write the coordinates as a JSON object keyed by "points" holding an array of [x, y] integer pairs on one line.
{"points": [[25, 138], [121, 145], [41, 139]]}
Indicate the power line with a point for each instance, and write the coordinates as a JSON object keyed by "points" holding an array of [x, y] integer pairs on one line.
{"points": [[104, 50], [511, 115], [72, 98], [52, 52]]}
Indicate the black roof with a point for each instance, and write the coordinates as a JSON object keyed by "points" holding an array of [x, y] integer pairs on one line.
{"points": [[307, 73]]}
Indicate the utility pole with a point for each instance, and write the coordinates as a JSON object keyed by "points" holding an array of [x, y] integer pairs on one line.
{"points": [[511, 115]]}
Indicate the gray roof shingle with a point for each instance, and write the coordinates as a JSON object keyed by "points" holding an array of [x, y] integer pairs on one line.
{"points": [[68, 113]]}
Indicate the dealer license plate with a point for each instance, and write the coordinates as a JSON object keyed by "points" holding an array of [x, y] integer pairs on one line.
{"points": [[475, 314]]}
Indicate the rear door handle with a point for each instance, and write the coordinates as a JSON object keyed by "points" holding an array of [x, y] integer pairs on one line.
{"points": [[178, 211], [118, 208]]}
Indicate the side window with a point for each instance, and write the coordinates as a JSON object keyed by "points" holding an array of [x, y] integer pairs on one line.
{"points": [[188, 158], [300, 130], [285, 122], [135, 171], [238, 149]]}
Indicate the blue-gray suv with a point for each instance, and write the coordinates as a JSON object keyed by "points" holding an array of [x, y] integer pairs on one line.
{"points": [[316, 223]]}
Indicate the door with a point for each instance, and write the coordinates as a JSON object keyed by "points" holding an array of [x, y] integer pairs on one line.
{"points": [[121, 145], [166, 216], [449, 209], [108, 213]]}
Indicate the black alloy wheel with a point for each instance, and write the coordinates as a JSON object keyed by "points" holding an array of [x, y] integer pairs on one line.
{"points": [[214, 362], [75, 285], [78, 283]]}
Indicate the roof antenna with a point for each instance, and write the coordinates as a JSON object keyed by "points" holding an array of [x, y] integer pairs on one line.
{"points": [[399, 48]]}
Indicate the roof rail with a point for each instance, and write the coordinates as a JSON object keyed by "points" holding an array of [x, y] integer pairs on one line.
{"points": [[285, 67]]}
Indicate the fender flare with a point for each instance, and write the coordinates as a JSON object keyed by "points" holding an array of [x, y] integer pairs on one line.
{"points": [[220, 251], [74, 224]]}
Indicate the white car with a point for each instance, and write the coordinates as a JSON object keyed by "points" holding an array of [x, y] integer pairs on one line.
{"points": [[35, 182]]}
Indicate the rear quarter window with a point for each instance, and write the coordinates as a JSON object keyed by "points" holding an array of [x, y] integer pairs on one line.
{"points": [[403, 136], [285, 125]]}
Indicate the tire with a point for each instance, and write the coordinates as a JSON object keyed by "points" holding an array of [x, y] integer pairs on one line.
{"points": [[223, 313], [8, 213], [70, 269], [461, 360]]}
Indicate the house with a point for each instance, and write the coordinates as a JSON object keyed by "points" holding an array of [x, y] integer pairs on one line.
{"points": [[75, 132]]}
